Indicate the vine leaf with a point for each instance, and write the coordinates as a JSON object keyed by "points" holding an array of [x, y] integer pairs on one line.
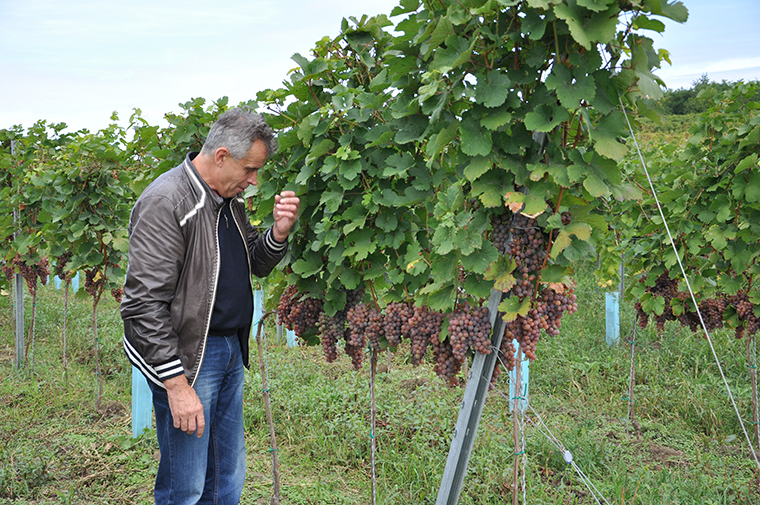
{"points": [[492, 89], [586, 26], [475, 140], [545, 118], [477, 167], [512, 308], [571, 87]]}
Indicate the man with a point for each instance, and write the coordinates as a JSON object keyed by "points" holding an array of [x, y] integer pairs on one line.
{"points": [[188, 305]]}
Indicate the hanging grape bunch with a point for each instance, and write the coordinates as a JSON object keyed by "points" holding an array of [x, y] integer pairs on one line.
{"points": [[500, 224], [447, 365], [60, 265], [423, 325], [715, 311], [286, 305], [331, 329], [93, 282], [395, 322], [526, 243], [469, 328]]}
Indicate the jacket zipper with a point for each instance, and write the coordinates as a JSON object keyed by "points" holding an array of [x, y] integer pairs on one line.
{"points": [[213, 297]]}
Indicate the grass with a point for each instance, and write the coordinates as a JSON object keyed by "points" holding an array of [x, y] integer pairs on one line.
{"points": [[55, 447]]}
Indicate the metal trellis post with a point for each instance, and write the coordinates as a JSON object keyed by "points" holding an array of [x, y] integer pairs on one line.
{"points": [[18, 281], [472, 409]]}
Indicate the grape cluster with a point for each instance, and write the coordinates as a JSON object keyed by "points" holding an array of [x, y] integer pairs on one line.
{"points": [[745, 309], [356, 353], [8, 271], [93, 281], [500, 224], [117, 294], [446, 364], [507, 352], [298, 312], [288, 300], [60, 265], [545, 314], [424, 325], [566, 218], [358, 320], [527, 246], [365, 323], [469, 327], [305, 315], [396, 317], [331, 329], [32, 273], [666, 287], [712, 309]]}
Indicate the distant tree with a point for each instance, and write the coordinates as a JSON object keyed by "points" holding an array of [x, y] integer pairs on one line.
{"points": [[684, 101]]}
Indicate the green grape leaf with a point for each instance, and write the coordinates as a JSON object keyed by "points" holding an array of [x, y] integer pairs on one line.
{"points": [[512, 308], [571, 87], [477, 167], [560, 244], [595, 186], [475, 140], [497, 118], [479, 261], [606, 134], [308, 266], [588, 27], [595, 5], [545, 118], [457, 51], [492, 89], [675, 11], [533, 25]]}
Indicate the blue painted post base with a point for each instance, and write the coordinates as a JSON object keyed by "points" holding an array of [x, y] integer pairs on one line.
{"points": [[524, 380], [142, 403], [612, 311]]}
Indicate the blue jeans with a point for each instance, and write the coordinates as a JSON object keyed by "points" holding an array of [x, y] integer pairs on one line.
{"points": [[210, 469]]}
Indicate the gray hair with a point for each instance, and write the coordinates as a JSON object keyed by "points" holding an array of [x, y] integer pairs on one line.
{"points": [[237, 129]]}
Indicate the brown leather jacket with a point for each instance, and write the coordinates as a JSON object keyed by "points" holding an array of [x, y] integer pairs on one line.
{"points": [[172, 274]]}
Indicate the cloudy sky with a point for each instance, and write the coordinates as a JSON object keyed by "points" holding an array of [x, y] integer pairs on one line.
{"points": [[78, 61]]}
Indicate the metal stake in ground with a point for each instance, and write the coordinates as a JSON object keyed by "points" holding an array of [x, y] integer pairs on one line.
{"points": [[516, 424], [471, 410], [265, 390], [372, 375], [752, 364]]}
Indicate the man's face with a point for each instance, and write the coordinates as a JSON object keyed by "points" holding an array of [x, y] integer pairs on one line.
{"points": [[235, 175]]}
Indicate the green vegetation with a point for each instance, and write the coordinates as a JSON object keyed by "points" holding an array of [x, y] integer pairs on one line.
{"points": [[687, 448], [684, 101]]}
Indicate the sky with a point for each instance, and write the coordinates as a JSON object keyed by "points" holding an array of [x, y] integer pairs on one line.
{"points": [[78, 61]]}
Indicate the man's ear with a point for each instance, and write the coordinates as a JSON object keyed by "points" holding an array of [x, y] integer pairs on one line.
{"points": [[219, 155]]}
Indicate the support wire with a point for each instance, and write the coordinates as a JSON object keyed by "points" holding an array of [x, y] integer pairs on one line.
{"points": [[546, 432]]}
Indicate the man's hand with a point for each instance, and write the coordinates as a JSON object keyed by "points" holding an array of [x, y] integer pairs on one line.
{"points": [[186, 407], [285, 214]]}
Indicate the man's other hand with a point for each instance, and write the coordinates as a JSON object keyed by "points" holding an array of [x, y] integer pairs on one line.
{"points": [[186, 407]]}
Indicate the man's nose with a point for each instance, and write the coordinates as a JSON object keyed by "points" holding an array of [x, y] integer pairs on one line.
{"points": [[253, 179]]}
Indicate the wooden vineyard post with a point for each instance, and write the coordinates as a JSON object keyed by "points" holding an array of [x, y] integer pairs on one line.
{"points": [[472, 408]]}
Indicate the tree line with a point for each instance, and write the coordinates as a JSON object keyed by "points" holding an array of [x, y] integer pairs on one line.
{"points": [[684, 101]]}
